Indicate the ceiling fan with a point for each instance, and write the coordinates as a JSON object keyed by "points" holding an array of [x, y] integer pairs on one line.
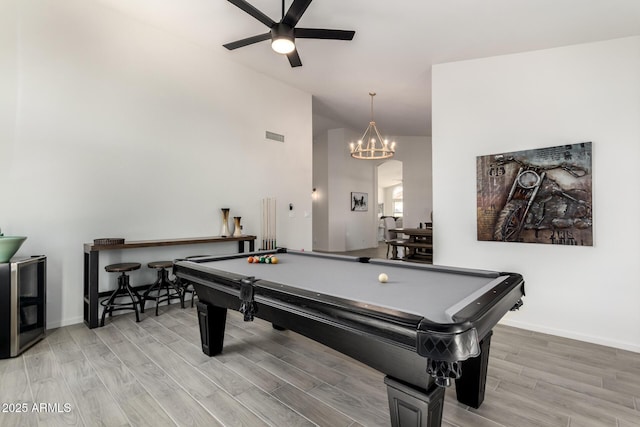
{"points": [[284, 33]]}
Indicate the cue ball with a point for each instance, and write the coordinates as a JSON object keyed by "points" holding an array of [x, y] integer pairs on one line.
{"points": [[382, 278]]}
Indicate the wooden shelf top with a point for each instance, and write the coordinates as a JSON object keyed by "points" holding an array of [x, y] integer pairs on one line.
{"points": [[167, 242]]}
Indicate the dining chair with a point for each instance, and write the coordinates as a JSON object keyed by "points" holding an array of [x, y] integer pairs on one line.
{"points": [[391, 237]]}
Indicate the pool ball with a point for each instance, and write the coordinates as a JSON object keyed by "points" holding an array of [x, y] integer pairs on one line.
{"points": [[382, 278]]}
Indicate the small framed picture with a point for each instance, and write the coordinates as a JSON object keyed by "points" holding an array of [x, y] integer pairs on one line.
{"points": [[359, 202]]}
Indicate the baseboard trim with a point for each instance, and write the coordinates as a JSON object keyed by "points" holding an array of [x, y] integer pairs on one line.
{"points": [[572, 335]]}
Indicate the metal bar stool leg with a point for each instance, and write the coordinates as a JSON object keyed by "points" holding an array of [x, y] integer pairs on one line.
{"points": [[132, 293]]}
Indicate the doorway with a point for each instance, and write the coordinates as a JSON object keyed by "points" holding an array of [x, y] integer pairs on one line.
{"points": [[390, 194]]}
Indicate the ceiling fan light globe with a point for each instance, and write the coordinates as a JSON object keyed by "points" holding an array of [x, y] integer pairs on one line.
{"points": [[283, 45]]}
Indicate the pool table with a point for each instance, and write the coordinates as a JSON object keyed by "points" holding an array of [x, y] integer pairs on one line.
{"points": [[427, 325]]}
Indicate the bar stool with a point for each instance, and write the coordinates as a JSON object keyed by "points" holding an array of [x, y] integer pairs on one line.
{"points": [[163, 283], [124, 290]]}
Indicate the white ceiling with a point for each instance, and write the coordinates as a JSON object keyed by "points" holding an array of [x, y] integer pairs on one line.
{"points": [[395, 45]]}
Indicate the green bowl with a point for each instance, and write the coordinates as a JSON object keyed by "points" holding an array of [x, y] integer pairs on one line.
{"points": [[9, 245]]}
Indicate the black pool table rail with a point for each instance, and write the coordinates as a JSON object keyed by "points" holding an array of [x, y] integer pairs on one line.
{"points": [[459, 340]]}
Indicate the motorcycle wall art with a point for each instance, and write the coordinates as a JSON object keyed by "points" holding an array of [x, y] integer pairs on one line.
{"points": [[536, 196]]}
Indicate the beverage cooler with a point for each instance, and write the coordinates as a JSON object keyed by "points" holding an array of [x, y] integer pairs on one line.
{"points": [[22, 304]]}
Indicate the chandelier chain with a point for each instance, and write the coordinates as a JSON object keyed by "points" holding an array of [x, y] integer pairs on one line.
{"points": [[372, 94]]}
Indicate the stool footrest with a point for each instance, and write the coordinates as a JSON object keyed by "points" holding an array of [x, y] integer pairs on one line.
{"points": [[163, 290]]}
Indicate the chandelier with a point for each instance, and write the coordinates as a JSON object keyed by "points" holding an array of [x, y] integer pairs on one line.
{"points": [[371, 146]]}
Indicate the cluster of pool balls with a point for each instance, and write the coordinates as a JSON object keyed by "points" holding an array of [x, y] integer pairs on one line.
{"points": [[265, 259]]}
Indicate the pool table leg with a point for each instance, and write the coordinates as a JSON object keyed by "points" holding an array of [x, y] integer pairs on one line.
{"points": [[411, 407], [212, 320], [471, 385]]}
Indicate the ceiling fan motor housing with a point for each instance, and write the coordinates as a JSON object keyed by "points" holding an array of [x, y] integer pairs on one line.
{"points": [[282, 38]]}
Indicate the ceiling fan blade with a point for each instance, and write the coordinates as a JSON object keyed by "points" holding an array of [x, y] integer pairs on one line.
{"points": [[294, 58], [247, 41], [295, 12], [242, 4], [320, 33]]}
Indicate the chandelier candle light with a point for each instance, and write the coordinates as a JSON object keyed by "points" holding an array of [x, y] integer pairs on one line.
{"points": [[367, 147]]}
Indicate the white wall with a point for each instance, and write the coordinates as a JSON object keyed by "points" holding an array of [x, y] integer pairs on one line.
{"points": [[321, 184], [122, 130], [588, 92], [417, 185], [349, 230], [8, 92]]}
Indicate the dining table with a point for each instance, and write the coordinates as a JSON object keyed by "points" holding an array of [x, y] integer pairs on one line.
{"points": [[418, 245]]}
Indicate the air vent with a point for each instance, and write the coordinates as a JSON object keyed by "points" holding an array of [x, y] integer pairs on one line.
{"points": [[274, 136]]}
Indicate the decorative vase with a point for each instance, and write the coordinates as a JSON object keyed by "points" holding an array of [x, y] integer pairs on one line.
{"points": [[225, 223], [237, 232]]}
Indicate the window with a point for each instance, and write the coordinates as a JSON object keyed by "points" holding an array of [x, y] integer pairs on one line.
{"points": [[396, 201]]}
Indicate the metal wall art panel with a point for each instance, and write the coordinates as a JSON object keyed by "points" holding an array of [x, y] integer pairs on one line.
{"points": [[536, 196]]}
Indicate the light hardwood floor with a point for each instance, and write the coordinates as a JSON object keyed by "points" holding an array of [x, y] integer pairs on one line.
{"points": [[154, 373]]}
